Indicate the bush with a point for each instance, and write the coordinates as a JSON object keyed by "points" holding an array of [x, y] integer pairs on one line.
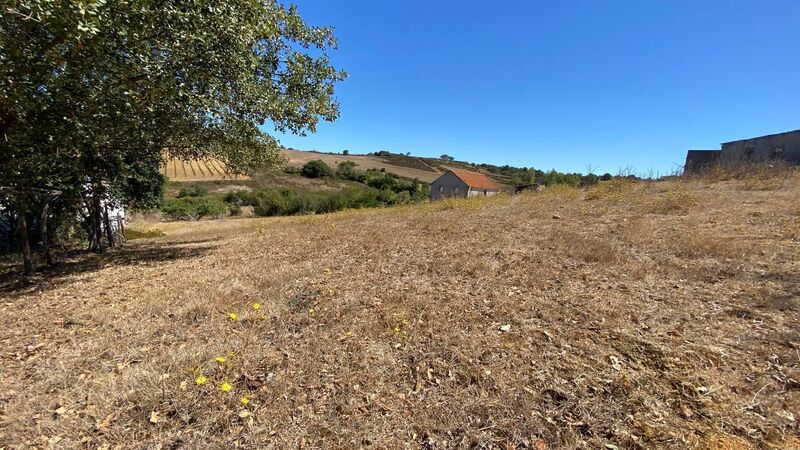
{"points": [[193, 208], [241, 198], [234, 209], [270, 203], [191, 191], [347, 171], [316, 169], [291, 170]]}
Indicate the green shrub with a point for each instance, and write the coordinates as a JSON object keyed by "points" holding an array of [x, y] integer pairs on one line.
{"points": [[192, 190], [347, 170], [193, 208], [270, 203], [291, 170], [241, 198], [316, 169]]}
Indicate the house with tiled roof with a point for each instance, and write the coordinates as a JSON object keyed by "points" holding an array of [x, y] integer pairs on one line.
{"points": [[463, 183]]}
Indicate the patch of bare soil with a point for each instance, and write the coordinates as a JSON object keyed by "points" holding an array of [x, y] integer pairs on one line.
{"points": [[630, 316]]}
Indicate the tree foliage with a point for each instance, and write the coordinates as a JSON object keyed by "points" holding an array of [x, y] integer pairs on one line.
{"points": [[316, 169], [93, 93]]}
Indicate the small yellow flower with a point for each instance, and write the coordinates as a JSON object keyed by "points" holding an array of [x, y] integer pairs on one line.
{"points": [[220, 359], [244, 400], [201, 380], [311, 310], [233, 316], [396, 329], [256, 306], [225, 387]]}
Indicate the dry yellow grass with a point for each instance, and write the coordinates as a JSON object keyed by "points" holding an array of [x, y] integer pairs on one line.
{"points": [[561, 319]]}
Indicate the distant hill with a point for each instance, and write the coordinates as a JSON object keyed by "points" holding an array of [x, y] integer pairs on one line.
{"points": [[424, 169], [408, 166]]}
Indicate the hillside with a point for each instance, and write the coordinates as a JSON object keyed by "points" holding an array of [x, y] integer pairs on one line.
{"points": [[629, 316], [404, 166], [400, 165]]}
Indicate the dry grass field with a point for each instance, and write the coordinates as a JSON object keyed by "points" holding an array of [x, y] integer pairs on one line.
{"points": [[657, 315]]}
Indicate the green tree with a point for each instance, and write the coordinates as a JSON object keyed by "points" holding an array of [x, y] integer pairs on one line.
{"points": [[316, 169], [93, 93]]}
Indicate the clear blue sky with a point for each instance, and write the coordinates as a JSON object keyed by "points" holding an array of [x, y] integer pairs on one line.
{"points": [[559, 84]]}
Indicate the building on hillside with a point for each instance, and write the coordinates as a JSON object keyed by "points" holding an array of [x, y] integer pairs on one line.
{"points": [[700, 159], [463, 183], [780, 146]]}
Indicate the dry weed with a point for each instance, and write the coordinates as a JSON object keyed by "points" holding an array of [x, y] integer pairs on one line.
{"points": [[704, 244]]}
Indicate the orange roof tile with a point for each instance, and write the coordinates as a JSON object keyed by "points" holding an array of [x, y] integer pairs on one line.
{"points": [[475, 180]]}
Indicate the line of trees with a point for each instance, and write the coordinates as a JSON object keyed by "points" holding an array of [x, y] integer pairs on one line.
{"points": [[93, 94]]}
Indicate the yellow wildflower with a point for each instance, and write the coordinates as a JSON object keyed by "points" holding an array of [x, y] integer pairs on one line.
{"points": [[244, 400], [256, 306], [233, 316], [201, 380], [225, 387], [220, 359]]}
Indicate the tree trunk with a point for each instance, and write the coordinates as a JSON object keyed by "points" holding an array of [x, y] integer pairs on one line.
{"points": [[24, 243], [95, 219], [109, 230], [45, 239]]}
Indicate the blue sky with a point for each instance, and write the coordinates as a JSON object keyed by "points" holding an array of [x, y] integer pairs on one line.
{"points": [[559, 84]]}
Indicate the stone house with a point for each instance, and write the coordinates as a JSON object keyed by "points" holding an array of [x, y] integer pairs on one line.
{"points": [[463, 183]]}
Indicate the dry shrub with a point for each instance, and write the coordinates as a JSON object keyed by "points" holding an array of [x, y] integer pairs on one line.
{"points": [[702, 244], [471, 203], [676, 199], [725, 442], [749, 175], [615, 190], [590, 249], [791, 226]]}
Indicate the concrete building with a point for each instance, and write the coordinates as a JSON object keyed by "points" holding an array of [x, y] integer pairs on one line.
{"points": [[463, 183], [784, 146], [700, 159], [780, 146]]}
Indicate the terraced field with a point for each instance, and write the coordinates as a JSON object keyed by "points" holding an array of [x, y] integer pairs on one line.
{"points": [[203, 170]]}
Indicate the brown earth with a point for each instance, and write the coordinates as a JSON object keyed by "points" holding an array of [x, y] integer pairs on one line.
{"points": [[630, 316]]}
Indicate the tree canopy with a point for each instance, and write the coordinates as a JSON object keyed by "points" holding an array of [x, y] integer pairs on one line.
{"points": [[93, 93]]}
